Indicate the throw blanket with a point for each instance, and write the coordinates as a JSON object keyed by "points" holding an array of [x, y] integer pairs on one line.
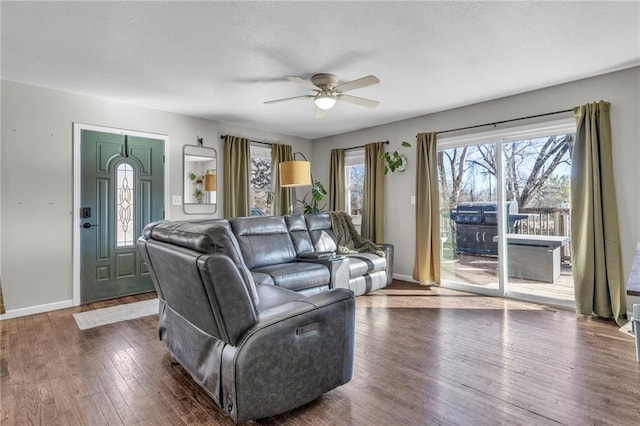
{"points": [[349, 240]]}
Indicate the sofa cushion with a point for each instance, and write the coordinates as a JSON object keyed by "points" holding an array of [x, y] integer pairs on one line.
{"points": [[263, 240], [297, 275], [365, 263], [322, 236], [297, 226]]}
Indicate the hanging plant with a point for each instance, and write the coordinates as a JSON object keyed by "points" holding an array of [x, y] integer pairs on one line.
{"points": [[394, 160]]}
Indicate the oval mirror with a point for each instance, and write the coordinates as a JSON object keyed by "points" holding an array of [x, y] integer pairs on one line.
{"points": [[200, 179]]}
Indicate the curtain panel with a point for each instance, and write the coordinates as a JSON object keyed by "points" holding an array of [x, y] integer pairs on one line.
{"points": [[336, 181], [595, 236], [373, 197], [427, 258], [237, 154], [282, 197]]}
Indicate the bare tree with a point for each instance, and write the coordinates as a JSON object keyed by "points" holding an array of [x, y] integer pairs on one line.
{"points": [[456, 166], [528, 164]]}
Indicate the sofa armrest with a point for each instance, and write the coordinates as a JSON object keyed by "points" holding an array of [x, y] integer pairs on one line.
{"points": [[315, 255], [338, 269], [307, 344], [388, 251]]}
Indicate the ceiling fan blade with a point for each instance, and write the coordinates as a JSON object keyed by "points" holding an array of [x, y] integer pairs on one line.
{"points": [[320, 112], [302, 81], [359, 101], [288, 99], [356, 84]]}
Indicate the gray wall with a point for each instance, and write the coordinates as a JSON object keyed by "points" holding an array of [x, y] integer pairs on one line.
{"points": [[622, 89], [37, 179], [37, 168]]}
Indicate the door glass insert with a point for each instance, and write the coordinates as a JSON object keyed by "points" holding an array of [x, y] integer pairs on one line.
{"points": [[124, 205], [469, 215], [537, 179]]}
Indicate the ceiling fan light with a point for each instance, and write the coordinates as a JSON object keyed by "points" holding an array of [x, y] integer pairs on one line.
{"points": [[325, 101]]}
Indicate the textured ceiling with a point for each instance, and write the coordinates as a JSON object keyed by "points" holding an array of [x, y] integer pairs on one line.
{"points": [[222, 60]]}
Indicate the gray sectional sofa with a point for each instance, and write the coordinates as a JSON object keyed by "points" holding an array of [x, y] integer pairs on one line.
{"points": [[296, 252], [257, 310]]}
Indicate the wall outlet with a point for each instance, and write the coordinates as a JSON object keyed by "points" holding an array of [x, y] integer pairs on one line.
{"points": [[176, 200], [412, 200]]}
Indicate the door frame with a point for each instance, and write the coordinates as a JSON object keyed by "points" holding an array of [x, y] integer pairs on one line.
{"points": [[500, 137], [77, 163]]}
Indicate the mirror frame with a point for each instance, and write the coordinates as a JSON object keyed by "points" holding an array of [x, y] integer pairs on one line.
{"points": [[198, 207]]}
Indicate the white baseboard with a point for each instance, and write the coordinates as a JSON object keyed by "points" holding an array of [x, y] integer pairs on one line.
{"points": [[407, 278], [38, 309]]}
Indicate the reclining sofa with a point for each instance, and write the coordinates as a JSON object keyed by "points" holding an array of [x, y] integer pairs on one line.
{"points": [[299, 252], [257, 350]]}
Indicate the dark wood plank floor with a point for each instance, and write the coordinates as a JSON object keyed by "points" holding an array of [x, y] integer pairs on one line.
{"points": [[423, 357]]}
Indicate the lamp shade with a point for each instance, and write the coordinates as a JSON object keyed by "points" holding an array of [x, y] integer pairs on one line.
{"points": [[295, 173], [210, 181]]}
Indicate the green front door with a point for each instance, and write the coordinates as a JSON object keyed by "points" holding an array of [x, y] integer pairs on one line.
{"points": [[122, 187]]}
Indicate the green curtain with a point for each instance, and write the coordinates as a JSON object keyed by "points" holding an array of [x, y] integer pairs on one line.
{"points": [[427, 258], [373, 198], [282, 197], [595, 237], [336, 180], [237, 154]]}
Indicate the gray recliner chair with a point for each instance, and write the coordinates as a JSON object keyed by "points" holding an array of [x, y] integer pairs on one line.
{"points": [[257, 351]]}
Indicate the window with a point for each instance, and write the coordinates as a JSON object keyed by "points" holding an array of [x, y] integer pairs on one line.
{"points": [[354, 183], [124, 205], [260, 195]]}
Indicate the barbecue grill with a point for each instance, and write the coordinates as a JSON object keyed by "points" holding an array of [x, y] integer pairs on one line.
{"points": [[477, 225]]}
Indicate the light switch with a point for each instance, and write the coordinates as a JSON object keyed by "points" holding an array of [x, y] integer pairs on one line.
{"points": [[176, 200], [413, 199]]}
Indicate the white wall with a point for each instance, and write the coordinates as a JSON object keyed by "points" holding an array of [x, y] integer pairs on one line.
{"points": [[37, 181], [622, 89]]}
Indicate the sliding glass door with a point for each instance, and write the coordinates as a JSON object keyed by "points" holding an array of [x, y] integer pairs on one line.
{"points": [[504, 205]]}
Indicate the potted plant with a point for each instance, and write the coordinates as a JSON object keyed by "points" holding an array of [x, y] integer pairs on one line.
{"points": [[317, 193], [198, 195], [394, 160], [197, 181]]}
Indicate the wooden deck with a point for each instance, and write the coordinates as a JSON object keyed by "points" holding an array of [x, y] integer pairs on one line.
{"points": [[482, 271]]}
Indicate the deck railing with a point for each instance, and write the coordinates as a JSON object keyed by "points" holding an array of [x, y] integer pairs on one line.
{"points": [[547, 221]]}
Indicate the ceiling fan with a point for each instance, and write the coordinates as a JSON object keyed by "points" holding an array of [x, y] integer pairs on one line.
{"points": [[328, 91]]}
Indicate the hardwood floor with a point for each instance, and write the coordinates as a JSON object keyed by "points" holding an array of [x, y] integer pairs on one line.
{"points": [[423, 357]]}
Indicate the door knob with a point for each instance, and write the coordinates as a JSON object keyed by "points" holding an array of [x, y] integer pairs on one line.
{"points": [[87, 225]]}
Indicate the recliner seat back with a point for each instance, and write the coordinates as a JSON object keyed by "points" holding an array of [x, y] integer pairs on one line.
{"points": [[322, 236], [182, 256], [263, 240]]}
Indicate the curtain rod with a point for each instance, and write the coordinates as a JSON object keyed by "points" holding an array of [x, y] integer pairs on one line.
{"points": [[504, 121], [361, 146], [252, 141]]}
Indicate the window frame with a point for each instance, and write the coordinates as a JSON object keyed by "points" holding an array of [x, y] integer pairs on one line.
{"points": [[352, 158], [258, 150]]}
